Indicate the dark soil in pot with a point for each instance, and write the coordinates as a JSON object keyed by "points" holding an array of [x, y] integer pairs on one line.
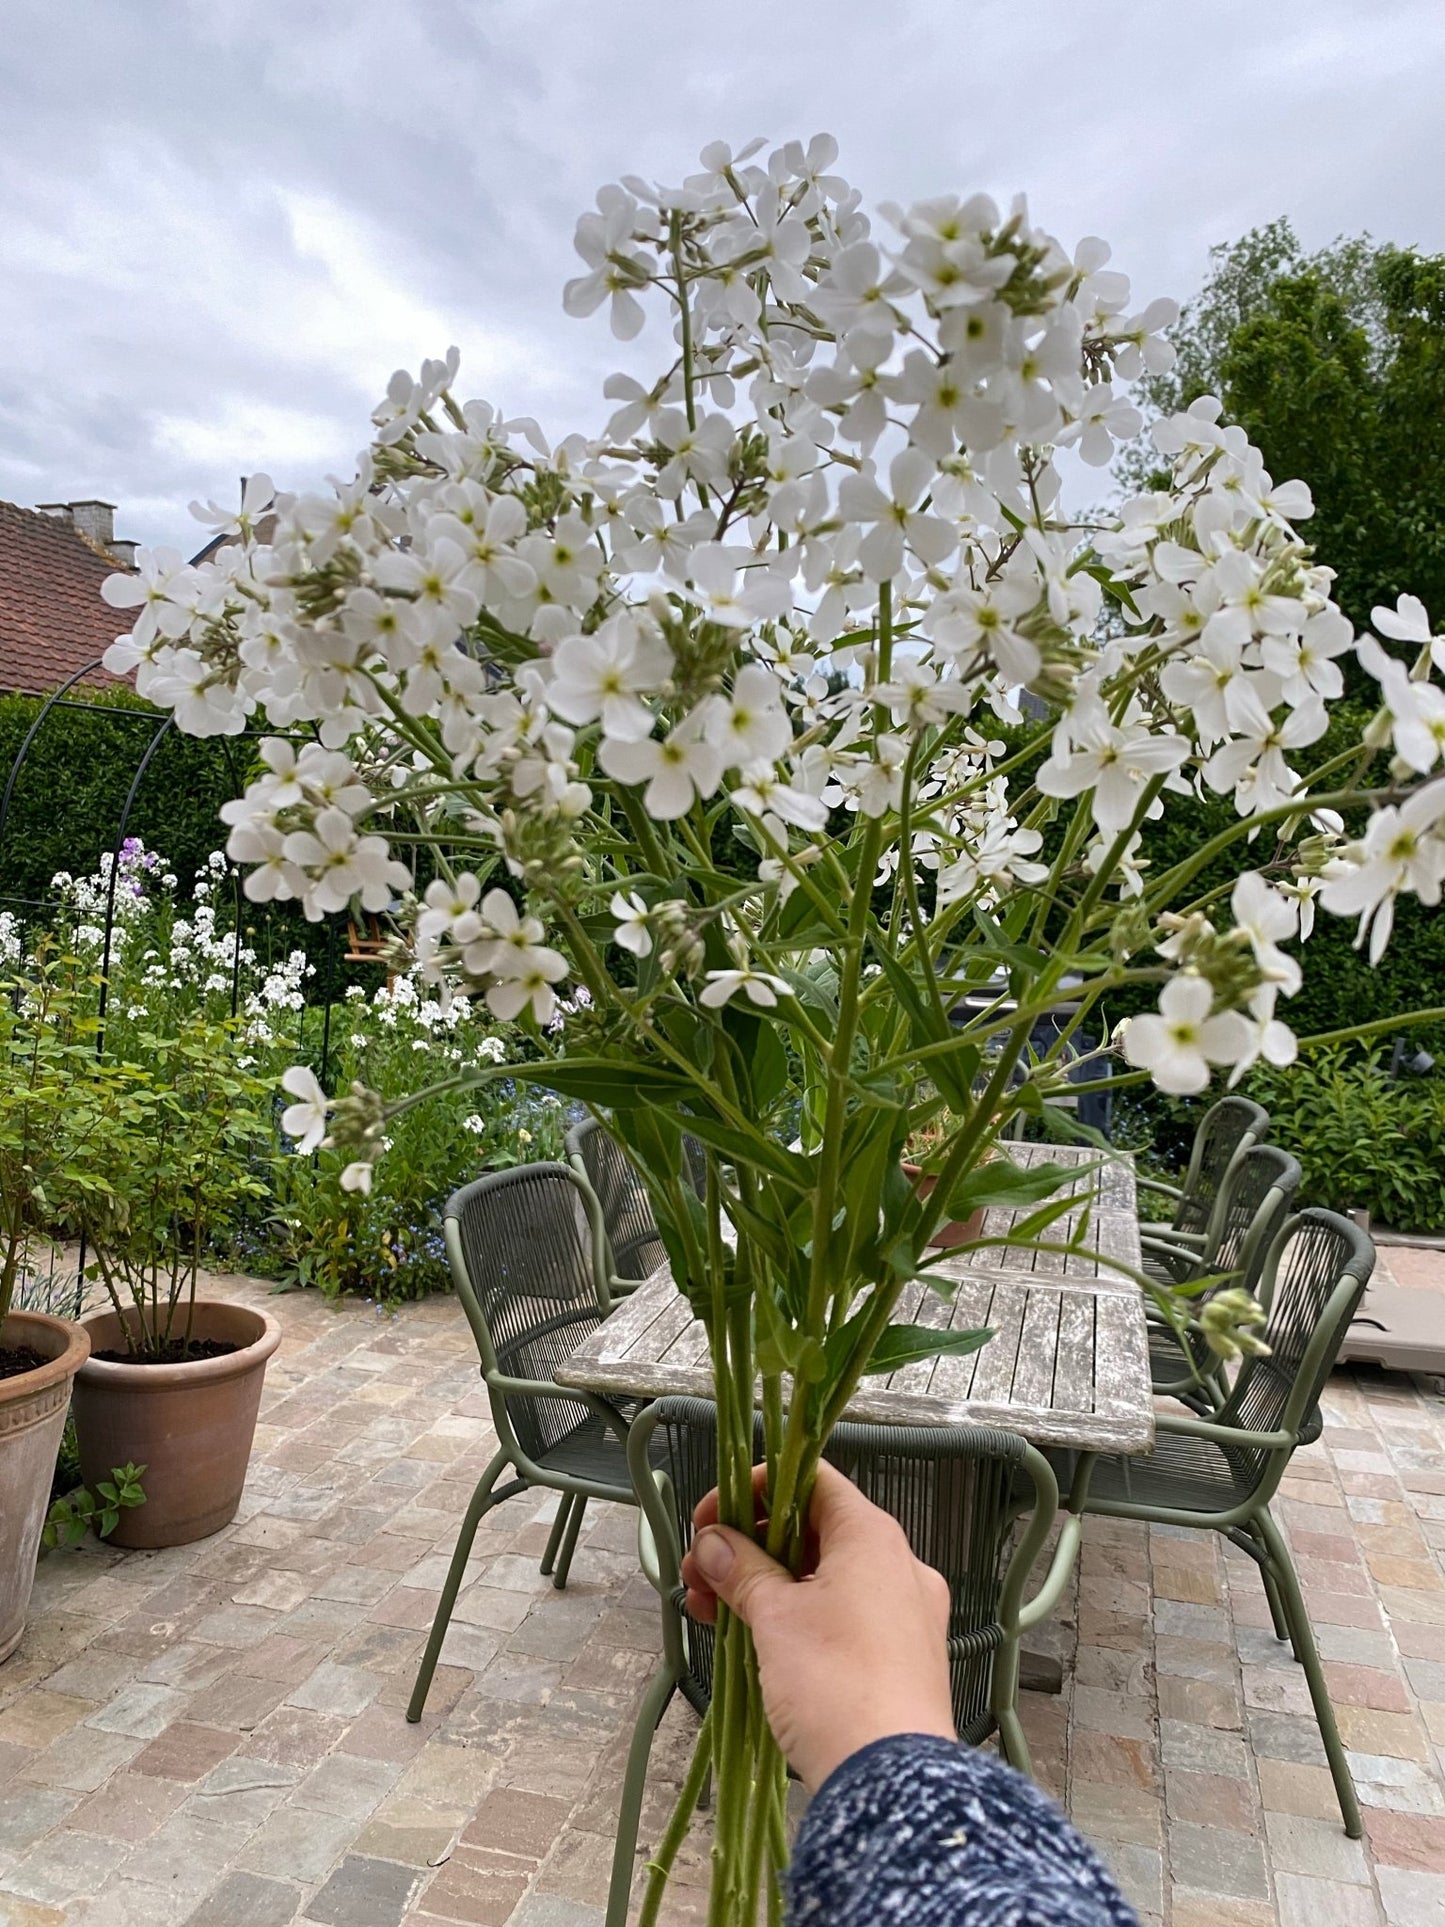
{"points": [[15, 1359], [177, 1352]]}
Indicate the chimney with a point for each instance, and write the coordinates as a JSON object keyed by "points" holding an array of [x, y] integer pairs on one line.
{"points": [[95, 521]]}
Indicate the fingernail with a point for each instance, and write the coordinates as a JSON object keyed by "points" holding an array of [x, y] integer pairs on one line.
{"points": [[713, 1554]]}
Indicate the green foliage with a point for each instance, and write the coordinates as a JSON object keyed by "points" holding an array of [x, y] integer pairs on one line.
{"points": [[71, 789], [70, 795], [166, 1148], [1334, 365], [1365, 1140], [58, 1119], [387, 1243], [81, 1511], [190, 1116]]}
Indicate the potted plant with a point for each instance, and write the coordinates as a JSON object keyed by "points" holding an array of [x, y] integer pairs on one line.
{"points": [[923, 1160], [173, 1381], [45, 1137]]}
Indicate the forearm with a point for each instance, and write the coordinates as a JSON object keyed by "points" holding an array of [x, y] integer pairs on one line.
{"points": [[926, 1832]]}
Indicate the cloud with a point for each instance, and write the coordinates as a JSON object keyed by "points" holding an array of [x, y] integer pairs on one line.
{"points": [[225, 226]]}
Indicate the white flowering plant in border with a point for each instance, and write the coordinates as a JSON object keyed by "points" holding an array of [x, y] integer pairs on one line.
{"points": [[699, 716]]}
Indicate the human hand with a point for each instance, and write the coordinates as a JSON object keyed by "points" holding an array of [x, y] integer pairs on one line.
{"points": [[854, 1651]]}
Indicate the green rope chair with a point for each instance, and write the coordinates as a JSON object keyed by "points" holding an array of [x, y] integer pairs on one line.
{"points": [[1220, 1473], [1252, 1204], [520, 1245], [1226, 1131], [956, 1491], [629, 1248]]}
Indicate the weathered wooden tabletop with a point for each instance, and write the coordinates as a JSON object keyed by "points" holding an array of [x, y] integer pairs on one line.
{"points": [[1068, 1363]]}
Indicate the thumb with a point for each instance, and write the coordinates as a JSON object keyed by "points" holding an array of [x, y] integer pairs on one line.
{"points": [[737, 1569]]}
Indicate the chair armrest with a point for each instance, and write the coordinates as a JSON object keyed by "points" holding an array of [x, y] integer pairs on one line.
{"points": [[1171, 1246], [1203, 1428], [548, 1388], [1158, 1184], [647, 1556], [1160, 1228], [1045, 1600]]}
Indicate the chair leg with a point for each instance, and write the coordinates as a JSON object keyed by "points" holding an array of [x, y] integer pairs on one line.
{"points": [[482, 1501], [1271, 1592], [1004, 1694], [559, 1526], [569, 1542], [629, 1812], [1307, 1652]]}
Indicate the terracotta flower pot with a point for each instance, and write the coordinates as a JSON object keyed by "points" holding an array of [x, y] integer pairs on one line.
{"points": [[32, 1420], [958, 1231], [189, 1425]]}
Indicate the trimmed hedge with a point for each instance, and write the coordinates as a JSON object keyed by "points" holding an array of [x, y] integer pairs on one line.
{"points": [[70, 793]]}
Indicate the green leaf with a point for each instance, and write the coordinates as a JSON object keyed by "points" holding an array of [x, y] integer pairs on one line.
{"points": [[905, 1344], [612, 1084], [1002, 1182], [812, 993], [1040, 1220], [751, 1147], [800, 919], [778, 1344], [767, 1236], [768, 1068]]}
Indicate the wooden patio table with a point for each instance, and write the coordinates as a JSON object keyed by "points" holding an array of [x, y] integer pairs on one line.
{"points": [[1068, 1364]]}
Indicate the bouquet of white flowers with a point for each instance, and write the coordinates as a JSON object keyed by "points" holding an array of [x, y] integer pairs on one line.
{"points": [[781, 718]]}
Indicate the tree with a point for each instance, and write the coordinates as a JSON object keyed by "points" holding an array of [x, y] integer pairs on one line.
{"points": [[1334, 365]]}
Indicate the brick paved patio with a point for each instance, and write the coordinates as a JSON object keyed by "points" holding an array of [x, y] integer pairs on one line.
{"points": [[214, 1735]]}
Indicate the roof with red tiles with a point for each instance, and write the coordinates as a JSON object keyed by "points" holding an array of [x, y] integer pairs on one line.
{"points": [[52, 619]]}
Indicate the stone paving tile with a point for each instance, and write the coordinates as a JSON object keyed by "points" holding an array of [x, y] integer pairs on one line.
{"points": [[214, 1736]]}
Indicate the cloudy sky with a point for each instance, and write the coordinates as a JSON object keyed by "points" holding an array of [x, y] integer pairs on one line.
{"points": [[222, 226]]}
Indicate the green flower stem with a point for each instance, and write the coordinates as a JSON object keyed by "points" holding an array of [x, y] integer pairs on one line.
{"points": [[660, 1866], [778, 1832], [685, 309], [967, 1142], [1166, 886], [909, 874], [642, 827], [1353, 1032], [1073, 836], [1108, 869]]}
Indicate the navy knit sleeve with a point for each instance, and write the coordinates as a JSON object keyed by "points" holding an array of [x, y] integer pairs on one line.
{"points": [[926, 1833]]}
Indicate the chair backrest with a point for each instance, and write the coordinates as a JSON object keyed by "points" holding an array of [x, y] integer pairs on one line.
{"points": [[1314, 1276], [1251, 1207], [1225, 1133], [954, 1490], [521, 1257], [635, 1247], [627, 1215]]}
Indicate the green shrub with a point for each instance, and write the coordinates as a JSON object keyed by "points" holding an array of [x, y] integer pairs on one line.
{"points": [[1365, 1140], [169, 1038], [387, 1243]]}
